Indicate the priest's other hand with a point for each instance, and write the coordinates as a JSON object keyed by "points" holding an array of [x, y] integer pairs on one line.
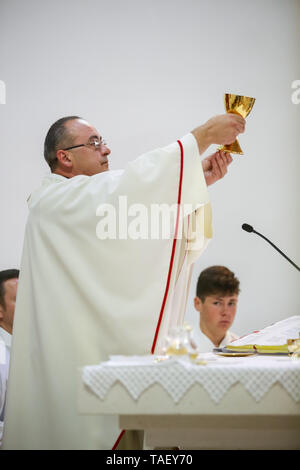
{"points": [[215, 166]]}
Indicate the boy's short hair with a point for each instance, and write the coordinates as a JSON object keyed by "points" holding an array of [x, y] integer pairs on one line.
{"points": [[217, 280]]}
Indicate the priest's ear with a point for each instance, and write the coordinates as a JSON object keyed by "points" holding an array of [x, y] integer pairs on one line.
{"points": [[64, 159]]}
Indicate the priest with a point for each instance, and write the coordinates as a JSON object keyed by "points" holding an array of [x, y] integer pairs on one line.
{"points": [[84, 295]]}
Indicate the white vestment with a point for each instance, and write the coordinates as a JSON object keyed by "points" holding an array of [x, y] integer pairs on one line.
{"points": [[81, 299], [204, 344]]}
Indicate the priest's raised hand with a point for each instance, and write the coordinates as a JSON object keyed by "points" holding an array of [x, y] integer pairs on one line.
{"points": [[222, 129]]}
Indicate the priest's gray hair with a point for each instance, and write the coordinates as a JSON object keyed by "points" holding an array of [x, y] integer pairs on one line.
{"points": [[57, 137]]}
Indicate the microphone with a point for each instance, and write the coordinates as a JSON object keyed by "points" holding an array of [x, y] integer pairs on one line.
{"points": [[249, 228]]}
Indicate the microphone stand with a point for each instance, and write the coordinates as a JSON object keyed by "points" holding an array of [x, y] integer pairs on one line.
{"points": [[274, 246]]}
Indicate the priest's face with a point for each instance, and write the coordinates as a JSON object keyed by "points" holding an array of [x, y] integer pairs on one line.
{"points": [[88, 153], [7, 310], [217, 313]]}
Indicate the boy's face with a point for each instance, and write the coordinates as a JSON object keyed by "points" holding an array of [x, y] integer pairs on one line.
{"points": [[217, 312]]}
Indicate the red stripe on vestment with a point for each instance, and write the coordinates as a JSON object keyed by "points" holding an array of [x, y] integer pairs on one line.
{"points": [[170, 269], [173, 250], [118, 440]]}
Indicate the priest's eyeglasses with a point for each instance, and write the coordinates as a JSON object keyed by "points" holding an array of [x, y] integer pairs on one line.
{"points": [[95, 145]]}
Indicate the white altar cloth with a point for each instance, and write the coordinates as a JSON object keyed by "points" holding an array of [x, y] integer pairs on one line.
{"points": [[257, 374]]}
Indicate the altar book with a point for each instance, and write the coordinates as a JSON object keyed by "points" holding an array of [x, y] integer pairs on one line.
{"points": [[275, 338]]}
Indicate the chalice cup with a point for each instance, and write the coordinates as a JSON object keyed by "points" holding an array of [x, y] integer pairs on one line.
{"points": [[242, 106]]}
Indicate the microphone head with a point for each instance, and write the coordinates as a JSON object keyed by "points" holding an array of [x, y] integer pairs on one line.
{"points": [[247, 227]]}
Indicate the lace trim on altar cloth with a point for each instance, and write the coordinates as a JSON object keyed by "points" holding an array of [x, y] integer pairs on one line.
{"points": [[177, 375]]}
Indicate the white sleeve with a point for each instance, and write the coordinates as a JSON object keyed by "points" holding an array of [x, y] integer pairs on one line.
{"points": [[4, 366]]}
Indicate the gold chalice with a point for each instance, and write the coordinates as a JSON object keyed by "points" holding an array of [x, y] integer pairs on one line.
{"points": [[242, 106]]}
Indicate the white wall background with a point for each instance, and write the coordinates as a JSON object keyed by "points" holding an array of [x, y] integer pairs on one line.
{"points": [[145, 72]]}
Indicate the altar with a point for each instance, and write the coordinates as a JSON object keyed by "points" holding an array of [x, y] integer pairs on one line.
{"points": [[250, 402]]}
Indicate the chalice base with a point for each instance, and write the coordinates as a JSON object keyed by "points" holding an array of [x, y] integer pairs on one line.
{"points": [[232, 148]]}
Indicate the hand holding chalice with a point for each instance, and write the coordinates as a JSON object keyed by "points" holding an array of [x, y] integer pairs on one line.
{"points": [[240, 105]]}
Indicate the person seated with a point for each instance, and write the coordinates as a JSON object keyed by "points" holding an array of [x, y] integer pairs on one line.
{"points": [[8, 293], [216, 301]]}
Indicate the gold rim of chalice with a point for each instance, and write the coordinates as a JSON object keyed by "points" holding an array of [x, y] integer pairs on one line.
{"points": [[238, 104]]}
